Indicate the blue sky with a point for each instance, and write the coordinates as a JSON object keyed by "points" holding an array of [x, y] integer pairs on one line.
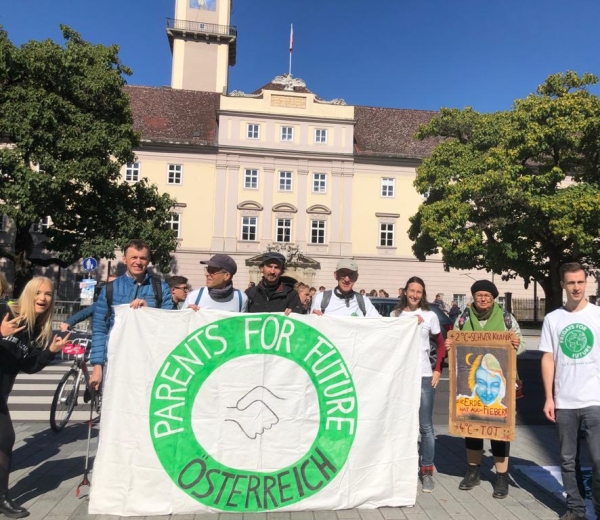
{"points": [[421, 54]]}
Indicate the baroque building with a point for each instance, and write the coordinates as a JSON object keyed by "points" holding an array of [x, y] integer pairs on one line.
{"points": [[281, 168]]}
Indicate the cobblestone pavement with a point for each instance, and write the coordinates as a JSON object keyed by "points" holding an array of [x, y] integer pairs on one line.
{"points": [[47, 469]]}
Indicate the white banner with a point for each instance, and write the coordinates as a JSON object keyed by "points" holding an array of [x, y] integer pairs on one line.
{"points": [[211, 411]]}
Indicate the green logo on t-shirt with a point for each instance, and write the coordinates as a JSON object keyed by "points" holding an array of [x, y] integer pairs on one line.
{"points": [[576, 340]]}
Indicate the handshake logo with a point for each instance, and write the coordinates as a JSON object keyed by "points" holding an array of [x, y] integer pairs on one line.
{"points": [[255, 412]]}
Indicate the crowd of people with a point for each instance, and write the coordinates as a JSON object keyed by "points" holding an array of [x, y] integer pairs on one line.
{"points": [[27, 344]]}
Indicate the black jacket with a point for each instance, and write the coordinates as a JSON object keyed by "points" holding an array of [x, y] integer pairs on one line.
{"points": [[284, 297], [19, 353]]}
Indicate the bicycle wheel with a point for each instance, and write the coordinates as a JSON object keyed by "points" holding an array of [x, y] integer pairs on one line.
{"points": [[64, 400]]}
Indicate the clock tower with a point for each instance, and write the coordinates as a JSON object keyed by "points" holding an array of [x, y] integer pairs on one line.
{"points": [[203, 44]]}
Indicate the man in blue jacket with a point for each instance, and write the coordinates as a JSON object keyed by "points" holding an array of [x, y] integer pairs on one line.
{"points": [[136, 287]]}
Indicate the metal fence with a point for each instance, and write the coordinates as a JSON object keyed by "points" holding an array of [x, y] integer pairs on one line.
{"points": [[528, 310], [63, 310]]}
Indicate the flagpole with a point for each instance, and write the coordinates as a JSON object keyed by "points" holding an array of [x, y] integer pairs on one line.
{"points": [[291, 48]]}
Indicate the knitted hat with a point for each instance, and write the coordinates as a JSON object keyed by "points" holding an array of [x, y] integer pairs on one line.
{"points": [[484, 285]]}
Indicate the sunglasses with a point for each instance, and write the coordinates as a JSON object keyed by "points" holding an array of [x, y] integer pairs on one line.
{"points": [[352, 275]]}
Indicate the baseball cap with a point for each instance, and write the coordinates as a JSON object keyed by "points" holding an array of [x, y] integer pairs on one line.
{"points": [[271, 256], [346, 263], [224, 262]]}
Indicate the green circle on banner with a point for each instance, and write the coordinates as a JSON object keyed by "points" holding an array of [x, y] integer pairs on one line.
{"points": [[576, 340], [186, 369]]}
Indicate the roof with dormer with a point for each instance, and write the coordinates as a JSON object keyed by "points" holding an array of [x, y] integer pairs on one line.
{"points": [[174, 116], [389, 132], [167, 115]]}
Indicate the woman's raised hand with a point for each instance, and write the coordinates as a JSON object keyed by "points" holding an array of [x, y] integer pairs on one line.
{"points": [[58, 343], [10, 327]]}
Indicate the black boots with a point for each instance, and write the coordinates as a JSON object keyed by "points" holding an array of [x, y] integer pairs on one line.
{"points": [[10, 509], [501, 485], [471, 479]]}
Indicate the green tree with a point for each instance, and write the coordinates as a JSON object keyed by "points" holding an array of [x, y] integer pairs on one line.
{"points": [[67, 129], [517, 192]]}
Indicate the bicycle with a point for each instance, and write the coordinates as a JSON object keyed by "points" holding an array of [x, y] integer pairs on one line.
{"points": [[66, 397]]}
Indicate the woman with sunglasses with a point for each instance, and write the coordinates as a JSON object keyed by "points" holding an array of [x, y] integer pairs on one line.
{"points": [[413, 302], [26, 345]]}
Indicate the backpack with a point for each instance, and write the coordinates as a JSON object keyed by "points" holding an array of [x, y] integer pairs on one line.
{"points": [[156, 287], [359, 299], [239, 293]]}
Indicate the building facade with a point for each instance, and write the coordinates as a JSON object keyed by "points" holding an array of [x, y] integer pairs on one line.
{"points": [[281, 168]]}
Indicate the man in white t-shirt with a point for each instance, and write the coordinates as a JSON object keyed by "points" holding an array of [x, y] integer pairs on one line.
{"points": [[219, 292], [344, 300], [571, 365]]}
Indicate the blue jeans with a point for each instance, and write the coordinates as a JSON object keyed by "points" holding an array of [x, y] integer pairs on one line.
{"points": [[568, 423], [426, 422]]}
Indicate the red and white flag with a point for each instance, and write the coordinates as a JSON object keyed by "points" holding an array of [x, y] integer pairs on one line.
{"points": [[291, 37]]}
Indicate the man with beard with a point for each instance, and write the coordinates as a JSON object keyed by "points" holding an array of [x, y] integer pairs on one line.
{"points": [[219, 292], [275, 292], [344, 300]]}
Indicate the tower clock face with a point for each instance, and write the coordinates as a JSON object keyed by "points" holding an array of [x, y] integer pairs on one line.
{"points": [[206, 5]]}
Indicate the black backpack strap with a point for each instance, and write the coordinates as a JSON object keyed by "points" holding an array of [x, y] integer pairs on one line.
{"points": [[157, 288], [110, 289], [239, 293], [507, 319], [325, 301], [463, 318], [361, 302]]}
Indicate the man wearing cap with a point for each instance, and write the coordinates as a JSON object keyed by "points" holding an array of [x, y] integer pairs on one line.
{"points": [[219, 292], [274, 293], [344, 300]]}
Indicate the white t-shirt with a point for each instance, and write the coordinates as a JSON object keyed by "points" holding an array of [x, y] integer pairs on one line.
{"points": [[430, 325], [572, 338], [337, 306], [206, 302]]}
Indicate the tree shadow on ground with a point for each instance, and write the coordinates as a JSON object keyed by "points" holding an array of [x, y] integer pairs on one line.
{"points": [[43, 452], [455, 447]]}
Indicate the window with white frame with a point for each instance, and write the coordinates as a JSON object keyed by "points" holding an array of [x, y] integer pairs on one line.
{"points": [[386, 235], [460, 299], [321, 135], [319, 182], [252, 131], [175, 223], [132, 172], [283, 230], [387, 187], [174, 173], [41, 226], [317, 231], [285, 181], [249, 228], [287, 133], [251, 179]]}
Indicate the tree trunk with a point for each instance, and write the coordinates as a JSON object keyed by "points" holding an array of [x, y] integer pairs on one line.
{"points": [[23, 265], [552, 291]]}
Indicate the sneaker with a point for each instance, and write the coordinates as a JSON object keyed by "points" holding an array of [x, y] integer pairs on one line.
{"points": [[427, 483], [572, 515]]}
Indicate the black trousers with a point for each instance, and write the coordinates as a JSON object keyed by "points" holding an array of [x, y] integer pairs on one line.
{"points": [[499, 448], [7, 441]]}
